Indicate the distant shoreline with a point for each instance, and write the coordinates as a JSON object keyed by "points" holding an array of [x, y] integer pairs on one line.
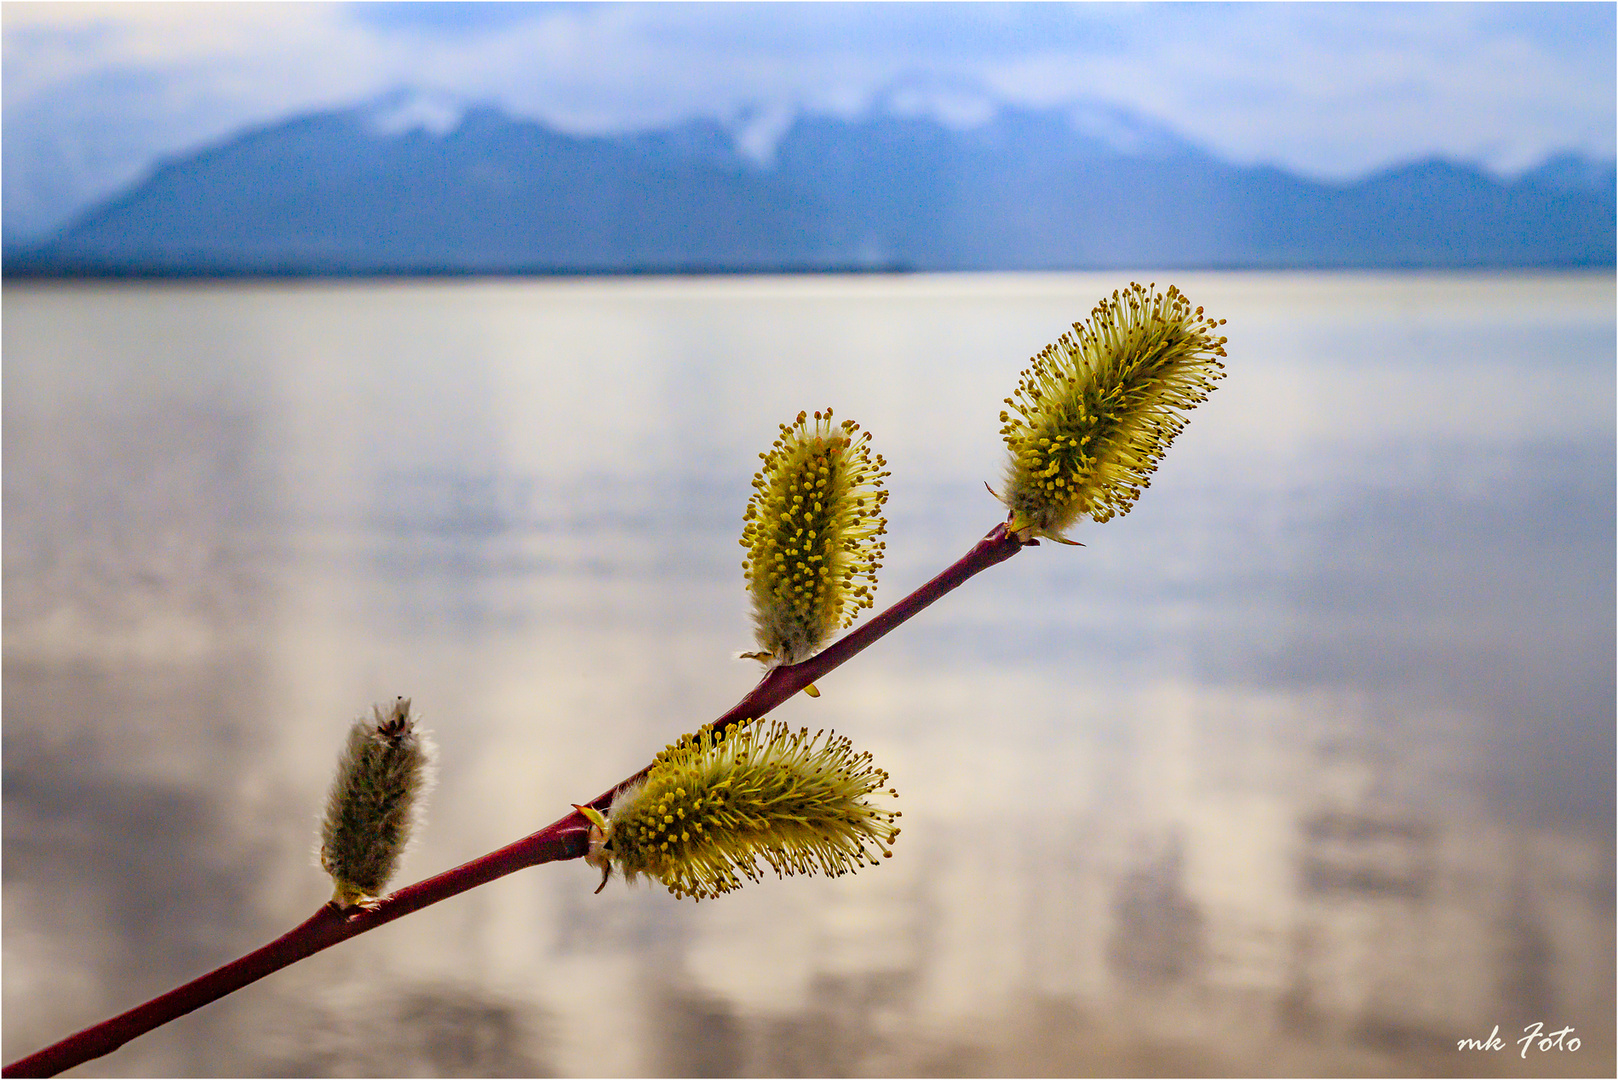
{"points": [[11, 272]]}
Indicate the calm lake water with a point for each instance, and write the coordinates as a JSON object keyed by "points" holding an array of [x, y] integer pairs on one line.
{"points": [[1306, 766]]}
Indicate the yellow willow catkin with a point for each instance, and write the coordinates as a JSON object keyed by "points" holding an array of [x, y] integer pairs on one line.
{"points": [[711, 808], [1096, 411], [376, 800], [811, 530]]}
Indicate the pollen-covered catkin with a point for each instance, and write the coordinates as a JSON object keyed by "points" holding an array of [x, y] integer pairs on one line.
{"points": [[713, 806], [812, 530], [1094, 414], [376, 800]]}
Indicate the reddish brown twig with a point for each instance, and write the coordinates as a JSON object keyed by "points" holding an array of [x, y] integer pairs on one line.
{"points": [[566, 838]]}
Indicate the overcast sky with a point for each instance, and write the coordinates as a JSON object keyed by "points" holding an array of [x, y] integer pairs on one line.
{"points": [[93, 93]]}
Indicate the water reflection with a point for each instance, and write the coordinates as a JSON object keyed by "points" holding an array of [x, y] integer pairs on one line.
{"points": [[1303, 767], [411, 1030]]}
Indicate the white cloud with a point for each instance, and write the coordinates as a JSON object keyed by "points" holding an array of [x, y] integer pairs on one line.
{"points": [[1335, 90], [95, 92]]}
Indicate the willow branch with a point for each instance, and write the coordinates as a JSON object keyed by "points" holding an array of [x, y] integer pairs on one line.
{"points": [[566, 838]]}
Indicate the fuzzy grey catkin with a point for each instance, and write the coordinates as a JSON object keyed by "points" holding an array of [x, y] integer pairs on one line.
{"points": [[376, 801]]}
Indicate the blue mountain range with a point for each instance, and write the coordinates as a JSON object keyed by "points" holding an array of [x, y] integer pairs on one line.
{"points": [[341, 193]]}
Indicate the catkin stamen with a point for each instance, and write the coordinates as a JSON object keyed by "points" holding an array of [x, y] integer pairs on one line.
{"points": [[812, 532], [712, 808], [1095, 412]]}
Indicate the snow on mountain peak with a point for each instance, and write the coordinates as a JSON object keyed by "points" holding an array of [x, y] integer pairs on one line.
{"points": [[414, 109]]}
